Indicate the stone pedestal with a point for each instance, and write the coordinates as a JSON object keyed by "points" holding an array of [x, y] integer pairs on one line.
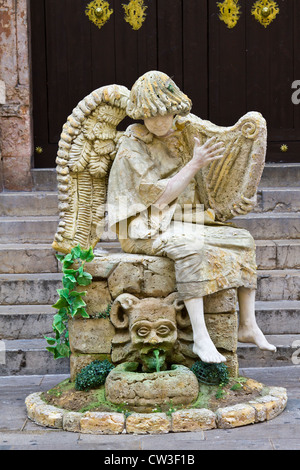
{"points": [[144, 277]]}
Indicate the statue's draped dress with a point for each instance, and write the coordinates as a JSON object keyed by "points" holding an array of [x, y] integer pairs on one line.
{"points": [[209, 255]]}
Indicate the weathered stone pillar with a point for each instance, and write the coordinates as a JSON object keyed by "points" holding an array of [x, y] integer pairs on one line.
{"points": [[15, 114]]}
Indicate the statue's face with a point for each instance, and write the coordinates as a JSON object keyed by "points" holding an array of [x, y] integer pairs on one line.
{"points": [[150, 336], [160, 125]]}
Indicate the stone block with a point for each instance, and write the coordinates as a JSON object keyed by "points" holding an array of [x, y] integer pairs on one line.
{"points": [[31, 402], [126, 277], [269, 406], [48, 416], [148, 423], [71, 421], [178, 386], [102, 423], [223, 330], [288, 254], [234, 416], [193, 420], [79, 361], [16, 173], [91, 335], [15, 258], [97, 297], [231, 362], [266, 251], [278, 285], [221, 302]]}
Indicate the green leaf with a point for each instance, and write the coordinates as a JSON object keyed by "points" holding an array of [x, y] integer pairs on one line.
{"points": [[81, 311], [69, 281], [77, 294], [52, 350], [68, 261], [49, 340], [58, 324], [76, 304], [85, 279], [60, 257], [87, 255], [63, 293], [76, 252], [61, 303], [62, 350], [70, 271]]}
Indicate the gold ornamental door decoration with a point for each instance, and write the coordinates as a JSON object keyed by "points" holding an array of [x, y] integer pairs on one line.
{"points": [[99, 12], [135, 13], [265, 11], [229, 12]]}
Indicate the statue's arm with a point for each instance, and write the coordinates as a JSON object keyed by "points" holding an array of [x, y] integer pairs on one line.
{"points": [[203, 155]]}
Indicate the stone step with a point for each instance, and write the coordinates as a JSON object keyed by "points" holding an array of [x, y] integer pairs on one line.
{"points": [[41, 289], [271, 226], [262, 226], [278, 254], [26, 321], [44, 179], [40, 258], [29, 289], [28, 229], [278, 317], [287, 354], [27, 258], [36, 203], [45, 203], [35, 321], [19, 258], [274, 175], [278, 285], [278, 200], [29, 357], [280, 174]]}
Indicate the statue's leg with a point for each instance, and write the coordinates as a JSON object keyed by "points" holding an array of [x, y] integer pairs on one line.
{"points": [[249, 332], [203, 345]]}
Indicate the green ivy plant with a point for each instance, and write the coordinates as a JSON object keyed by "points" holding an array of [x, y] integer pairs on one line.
{"points": [[70, 302]]}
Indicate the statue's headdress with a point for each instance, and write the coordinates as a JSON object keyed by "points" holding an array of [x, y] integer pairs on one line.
{"points": [[155, 93]]}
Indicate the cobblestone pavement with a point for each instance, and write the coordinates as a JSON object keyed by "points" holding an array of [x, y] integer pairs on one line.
{"points": [[19, 433]]}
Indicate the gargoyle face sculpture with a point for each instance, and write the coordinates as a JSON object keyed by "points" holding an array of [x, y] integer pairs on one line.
{"points": [[147, 330]]}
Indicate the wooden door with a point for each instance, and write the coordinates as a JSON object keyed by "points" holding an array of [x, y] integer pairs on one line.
{"points": [[225, 72]]}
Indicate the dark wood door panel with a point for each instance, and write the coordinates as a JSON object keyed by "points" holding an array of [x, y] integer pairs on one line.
{"points": [[226, 72]]}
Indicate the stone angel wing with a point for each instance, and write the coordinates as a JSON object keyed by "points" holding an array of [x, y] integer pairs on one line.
{"points": [[86, 151], [229, 185]]}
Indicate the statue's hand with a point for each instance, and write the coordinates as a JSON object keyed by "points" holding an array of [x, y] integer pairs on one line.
{"points": [[205, 154], [244, 207]]}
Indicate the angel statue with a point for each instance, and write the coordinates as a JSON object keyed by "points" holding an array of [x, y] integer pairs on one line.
{"points": [[170, 184]]}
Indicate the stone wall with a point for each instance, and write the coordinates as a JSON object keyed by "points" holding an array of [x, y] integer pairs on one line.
{"points": [[15, 105], [143, 277]]}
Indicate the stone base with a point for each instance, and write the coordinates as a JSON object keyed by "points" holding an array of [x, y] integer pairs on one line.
{"points": [[269, 404], [144, 277]]}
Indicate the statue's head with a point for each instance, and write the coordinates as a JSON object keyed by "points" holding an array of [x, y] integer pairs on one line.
{"points": [[147, 329], [156, 94]]}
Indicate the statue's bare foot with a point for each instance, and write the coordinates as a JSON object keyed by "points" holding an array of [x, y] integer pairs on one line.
{"points": [[207, 351], [255, 335]]}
